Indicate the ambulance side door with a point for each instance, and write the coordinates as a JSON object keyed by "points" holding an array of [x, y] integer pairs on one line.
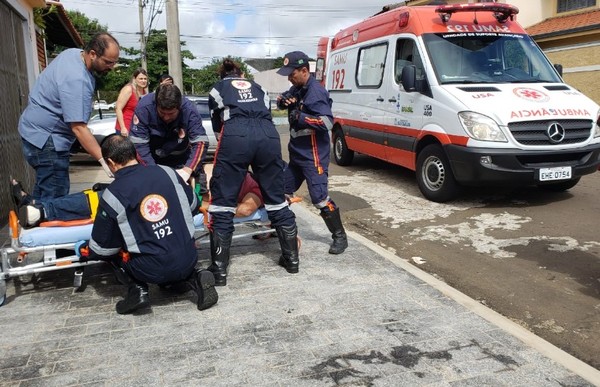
{"points": [[405, 111], [361, 97]]}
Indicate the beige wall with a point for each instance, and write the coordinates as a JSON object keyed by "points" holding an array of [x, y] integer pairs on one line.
{"points": [[588, 82]]}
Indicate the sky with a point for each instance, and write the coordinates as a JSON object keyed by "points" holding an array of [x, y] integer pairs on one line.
{"points": [[240, 28]]}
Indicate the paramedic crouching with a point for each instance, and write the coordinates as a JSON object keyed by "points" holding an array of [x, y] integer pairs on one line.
{"points": [[147, 213], [311, 119]]}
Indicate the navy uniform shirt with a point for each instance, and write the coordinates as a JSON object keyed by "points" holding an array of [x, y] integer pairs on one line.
{"points": [[310, 135], [234, 97], [148, 212], [155, 139]]}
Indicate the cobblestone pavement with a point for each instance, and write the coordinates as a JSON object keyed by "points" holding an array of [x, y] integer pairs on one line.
{"points": [[355, 319]]}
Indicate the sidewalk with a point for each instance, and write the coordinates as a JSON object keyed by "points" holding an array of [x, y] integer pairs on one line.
{"points": [[363, 318]]}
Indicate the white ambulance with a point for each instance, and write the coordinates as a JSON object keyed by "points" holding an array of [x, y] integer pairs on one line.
{"points": [[461, 95]]}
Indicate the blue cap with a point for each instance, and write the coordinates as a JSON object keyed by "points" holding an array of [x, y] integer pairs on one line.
{"points": [[291, 61]]}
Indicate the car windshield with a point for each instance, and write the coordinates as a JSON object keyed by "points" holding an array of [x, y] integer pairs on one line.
{"points": [[488, 57]]}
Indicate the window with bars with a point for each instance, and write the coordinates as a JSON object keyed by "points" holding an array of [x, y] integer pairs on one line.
{"points": [[571, 5]]}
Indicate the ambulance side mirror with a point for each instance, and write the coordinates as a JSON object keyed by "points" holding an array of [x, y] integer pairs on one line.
{"points": [[409, 78], [559, 68]]}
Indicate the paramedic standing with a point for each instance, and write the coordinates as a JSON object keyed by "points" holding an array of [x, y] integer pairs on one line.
{"points": [[311, 119], [59, 108], [167, 130], [147, 212], [248, 137]]}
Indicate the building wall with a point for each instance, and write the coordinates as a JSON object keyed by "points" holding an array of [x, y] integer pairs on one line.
{"points": [[18, 70], [580, 68]]}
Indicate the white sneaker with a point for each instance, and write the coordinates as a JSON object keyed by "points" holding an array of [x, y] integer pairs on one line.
{"points": [[31, 215]]}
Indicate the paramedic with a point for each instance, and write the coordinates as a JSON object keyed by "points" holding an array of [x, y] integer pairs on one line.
{"points": [[147, 212], [59, 108], [248, 137], [167, 130], [311, 119]]}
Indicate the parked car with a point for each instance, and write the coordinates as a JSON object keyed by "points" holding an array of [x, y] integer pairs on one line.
{"points": [[202, 106], [101, 104], [101, 125]]}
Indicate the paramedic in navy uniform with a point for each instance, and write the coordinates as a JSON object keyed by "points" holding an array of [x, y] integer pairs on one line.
{"points": [[167, 130], [311, 119], [241, 108], [147, 211]]}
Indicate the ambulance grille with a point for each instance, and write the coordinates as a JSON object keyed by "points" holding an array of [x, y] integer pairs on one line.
{"points": [[536, 132]]}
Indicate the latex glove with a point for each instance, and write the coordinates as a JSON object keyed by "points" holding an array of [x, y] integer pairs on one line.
{"points": [[105, 167], [185, 175], [82, 250]]}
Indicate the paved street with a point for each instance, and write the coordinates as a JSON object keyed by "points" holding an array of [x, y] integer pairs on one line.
{"points": [[365, 317]]}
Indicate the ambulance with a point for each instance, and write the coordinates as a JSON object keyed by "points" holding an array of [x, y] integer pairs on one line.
{"points": [[461, 95]]}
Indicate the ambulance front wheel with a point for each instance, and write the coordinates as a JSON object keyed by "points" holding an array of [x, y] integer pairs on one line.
{"points": [[434, 175], [343, 156]]}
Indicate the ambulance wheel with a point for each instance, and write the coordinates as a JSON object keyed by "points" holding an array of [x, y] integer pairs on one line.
{"points": [[434, 175], [561, 186], [343, 156]]}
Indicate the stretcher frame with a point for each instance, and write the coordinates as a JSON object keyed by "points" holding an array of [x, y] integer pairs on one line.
{"points": [[257, 223]]}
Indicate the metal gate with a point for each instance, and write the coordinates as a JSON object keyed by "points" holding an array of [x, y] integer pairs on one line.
{"points": [[14, 90]]}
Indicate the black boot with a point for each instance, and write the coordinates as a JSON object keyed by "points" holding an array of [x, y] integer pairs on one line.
{"points": [[334, 224], [219, 253], [288, 240], [137, 292], [205, 288]]}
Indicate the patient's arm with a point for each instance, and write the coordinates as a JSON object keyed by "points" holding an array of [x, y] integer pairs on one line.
{"points": [[248, 205]]}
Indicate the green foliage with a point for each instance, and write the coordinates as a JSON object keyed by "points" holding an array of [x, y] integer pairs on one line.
{"points": [[85, 26], [205, 78], [39, 13]]}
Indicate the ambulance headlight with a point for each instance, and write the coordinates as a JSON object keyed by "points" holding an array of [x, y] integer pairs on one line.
{"points": [[481, 127], [597, 125]]}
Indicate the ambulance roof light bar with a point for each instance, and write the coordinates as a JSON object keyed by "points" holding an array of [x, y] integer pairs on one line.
{"points": [[502, 12]]}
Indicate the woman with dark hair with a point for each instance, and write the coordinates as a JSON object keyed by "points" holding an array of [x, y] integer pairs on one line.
{"points": [[241, 108], [128, 99]]}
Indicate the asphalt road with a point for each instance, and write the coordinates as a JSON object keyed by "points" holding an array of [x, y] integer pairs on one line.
{"points": [[530, 255]]}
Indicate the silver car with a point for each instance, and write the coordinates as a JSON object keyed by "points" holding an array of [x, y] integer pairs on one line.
{"points": [[202, 107]]}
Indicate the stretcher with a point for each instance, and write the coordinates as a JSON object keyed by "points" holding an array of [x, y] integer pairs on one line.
{"points": [[52, 245]]}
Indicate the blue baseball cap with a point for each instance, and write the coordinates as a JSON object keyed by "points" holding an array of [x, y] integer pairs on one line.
{"points": [[291, 61]]}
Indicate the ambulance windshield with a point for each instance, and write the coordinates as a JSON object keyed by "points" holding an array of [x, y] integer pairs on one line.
{"points": [[460, 58]]}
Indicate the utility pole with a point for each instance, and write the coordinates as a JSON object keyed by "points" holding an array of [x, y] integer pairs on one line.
{"points": [[142, 37], [173, 43]]}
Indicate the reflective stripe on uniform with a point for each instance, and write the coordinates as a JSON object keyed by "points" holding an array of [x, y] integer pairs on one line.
{"points": [[275, 207], [213, 208], [182, 199], [323, 203], [122, 221], [109, 252]]}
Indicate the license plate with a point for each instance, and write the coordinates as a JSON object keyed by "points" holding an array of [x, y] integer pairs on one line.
{"points": [[558, 173]]}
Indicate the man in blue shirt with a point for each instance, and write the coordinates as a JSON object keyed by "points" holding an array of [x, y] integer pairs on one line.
{"points": [[59, 108], [311, 119]]}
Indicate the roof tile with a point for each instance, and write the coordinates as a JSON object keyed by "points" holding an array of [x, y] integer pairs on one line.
{"points": [[566, 23]]}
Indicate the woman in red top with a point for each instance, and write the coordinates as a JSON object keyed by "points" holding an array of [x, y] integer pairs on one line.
{"points": [[128, 99]]}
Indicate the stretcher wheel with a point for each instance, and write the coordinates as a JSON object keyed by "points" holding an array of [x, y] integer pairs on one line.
{"points": [[78, 278]]}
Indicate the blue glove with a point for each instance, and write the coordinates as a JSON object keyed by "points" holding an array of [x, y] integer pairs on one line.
{"points": [[82, 250]]}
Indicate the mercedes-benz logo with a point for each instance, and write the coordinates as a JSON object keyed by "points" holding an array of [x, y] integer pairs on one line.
{"points": [[556, 133]]}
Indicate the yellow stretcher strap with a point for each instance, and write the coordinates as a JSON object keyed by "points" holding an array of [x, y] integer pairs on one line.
{"points": [[93, 201]]}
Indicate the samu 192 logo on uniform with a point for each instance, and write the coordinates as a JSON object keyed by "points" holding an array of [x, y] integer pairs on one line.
{"points": [[241, 85], [153, 208]]}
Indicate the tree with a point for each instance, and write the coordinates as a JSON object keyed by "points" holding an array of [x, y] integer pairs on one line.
{"points": [[205, 78]]}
